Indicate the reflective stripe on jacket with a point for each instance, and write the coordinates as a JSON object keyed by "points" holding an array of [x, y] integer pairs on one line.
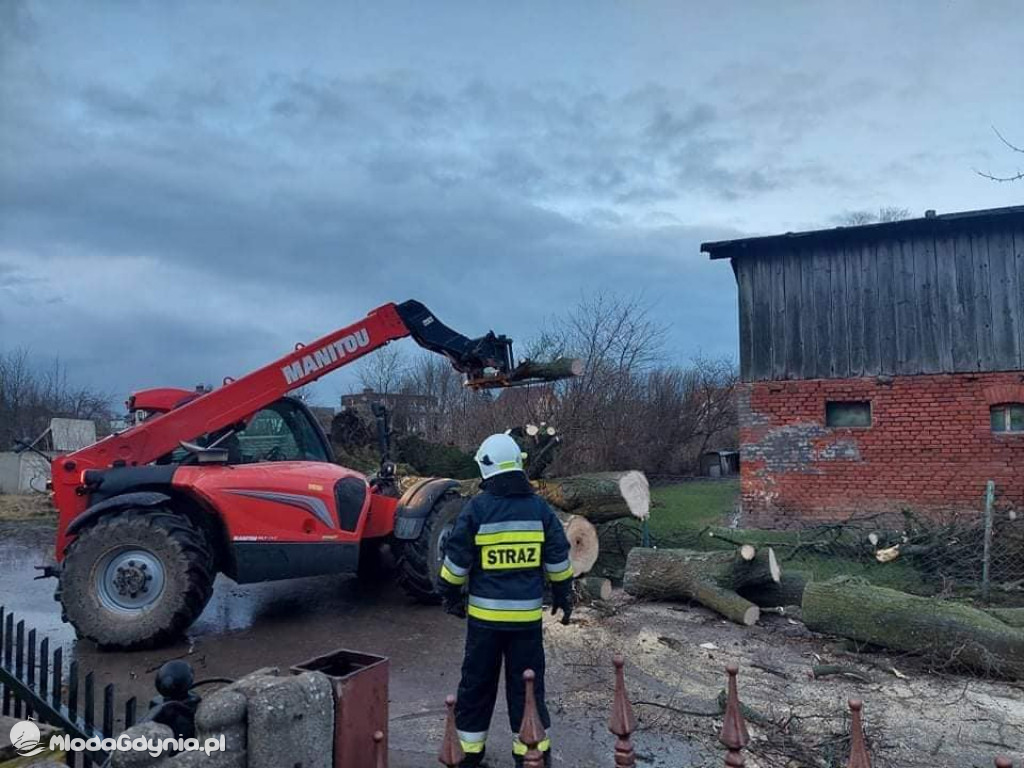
{"points": [[505, 542]]}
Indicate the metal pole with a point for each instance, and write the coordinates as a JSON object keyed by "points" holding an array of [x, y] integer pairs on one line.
{"points": [[990, 497]]}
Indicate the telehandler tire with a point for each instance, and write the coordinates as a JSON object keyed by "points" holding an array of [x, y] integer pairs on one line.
{"points": [[136, 579], [418, 561]]}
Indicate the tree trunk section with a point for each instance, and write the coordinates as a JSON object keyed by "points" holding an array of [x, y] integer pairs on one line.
{"points": [[583, 544], [593, 588], [710, 578], [952, 634], [599, 497], [561, 368], [788, 591]]}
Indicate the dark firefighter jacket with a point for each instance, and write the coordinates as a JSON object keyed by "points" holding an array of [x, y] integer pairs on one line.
{"points": [[505, 542]]}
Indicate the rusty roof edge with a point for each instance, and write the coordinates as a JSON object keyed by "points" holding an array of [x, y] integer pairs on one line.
{"points": [[725, 249]]}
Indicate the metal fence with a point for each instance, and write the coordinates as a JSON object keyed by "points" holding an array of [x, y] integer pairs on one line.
{"points": [[734, 735], [35, 685], [957, 554]]}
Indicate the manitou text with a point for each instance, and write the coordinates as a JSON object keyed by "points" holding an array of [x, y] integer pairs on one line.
{"points": [[326, 355]]}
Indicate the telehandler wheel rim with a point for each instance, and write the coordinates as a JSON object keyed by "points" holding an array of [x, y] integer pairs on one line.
{"points": [[129, 580], [442, 545]]}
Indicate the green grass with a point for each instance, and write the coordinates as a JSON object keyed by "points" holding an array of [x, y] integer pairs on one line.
{"points": [[680, 512]]}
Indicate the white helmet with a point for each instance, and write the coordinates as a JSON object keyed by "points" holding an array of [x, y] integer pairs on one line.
{"points": [[497, 454]]}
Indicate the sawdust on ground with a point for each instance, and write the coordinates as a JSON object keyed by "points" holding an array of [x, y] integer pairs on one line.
{"points": [[676, 657], [30, 506]]}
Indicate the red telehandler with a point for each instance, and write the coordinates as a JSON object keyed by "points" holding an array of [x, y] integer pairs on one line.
{"points": [[239, 480]]}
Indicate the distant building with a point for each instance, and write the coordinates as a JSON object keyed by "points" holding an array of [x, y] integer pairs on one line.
{"points": [[27, 471], [882, 366], [720, 463], [409, 413]]}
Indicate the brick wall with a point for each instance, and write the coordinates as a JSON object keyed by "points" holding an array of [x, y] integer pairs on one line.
{"points": [[930, 447]]}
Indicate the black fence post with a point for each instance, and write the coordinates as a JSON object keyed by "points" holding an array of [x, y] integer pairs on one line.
{"points": [[30, 677], [58, 678], [8, 633], [129, 713], [73, 690], [90, 710], [19, 663], [44, 668], [108, 710]]}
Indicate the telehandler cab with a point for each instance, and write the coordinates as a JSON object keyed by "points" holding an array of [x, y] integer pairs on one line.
{"points": [[240, 480]]}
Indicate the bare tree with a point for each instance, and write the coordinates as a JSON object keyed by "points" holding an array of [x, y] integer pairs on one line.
{"points": [[383, 369], [31, 395], [629, 410], [1014, 177], [886, 213]]}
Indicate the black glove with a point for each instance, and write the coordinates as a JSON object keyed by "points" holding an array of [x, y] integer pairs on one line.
{"points": [[454, 601], [561, 599]]}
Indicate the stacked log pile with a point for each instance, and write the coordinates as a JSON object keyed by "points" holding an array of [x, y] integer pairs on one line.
{"points": [[582, 503], [738, 584]]}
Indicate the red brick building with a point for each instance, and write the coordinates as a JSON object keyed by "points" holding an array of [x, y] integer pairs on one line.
{"points": [[882, 366]]}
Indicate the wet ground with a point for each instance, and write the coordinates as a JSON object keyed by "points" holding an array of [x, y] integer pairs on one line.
{"points": [[284, 623], [675, 659]]}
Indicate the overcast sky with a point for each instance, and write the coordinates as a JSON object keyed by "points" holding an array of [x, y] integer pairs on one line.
{"points": [[187, 189]]}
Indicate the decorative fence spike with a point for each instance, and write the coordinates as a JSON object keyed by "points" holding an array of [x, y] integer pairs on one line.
{"points": [[531, 733], [859, 757], [379, 750], [622, 723], [451, 750], [734, 729]]}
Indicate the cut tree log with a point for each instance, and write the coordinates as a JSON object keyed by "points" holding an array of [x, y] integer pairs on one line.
{"points": [[599, 497], [593, 588], [788, 591], [561, 368], [952, 634], [583, 544], [710, 578]]}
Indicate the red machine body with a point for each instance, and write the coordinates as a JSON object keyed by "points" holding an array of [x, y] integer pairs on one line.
{"points": [[233, 402], [240, 480]]}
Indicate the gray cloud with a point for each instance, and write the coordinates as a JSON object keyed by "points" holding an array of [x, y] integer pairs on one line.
{"points": [[188, 190]]}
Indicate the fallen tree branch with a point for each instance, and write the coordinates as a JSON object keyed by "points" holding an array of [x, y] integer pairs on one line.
{"points": [[819, 671]]}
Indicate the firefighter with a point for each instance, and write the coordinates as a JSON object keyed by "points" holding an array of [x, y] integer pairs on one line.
{"points": [[505, 542]]}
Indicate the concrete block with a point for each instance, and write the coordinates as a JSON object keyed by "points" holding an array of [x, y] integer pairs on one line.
{"points": [[224, 712], [132, 759], [291, 722]]}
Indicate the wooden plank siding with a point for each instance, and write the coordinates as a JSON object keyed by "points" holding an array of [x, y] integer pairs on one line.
{"points": [[1018, 258], [926, 303]]}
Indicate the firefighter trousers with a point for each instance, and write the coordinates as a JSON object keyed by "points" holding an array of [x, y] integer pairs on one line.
{"points": [[486, 649]]}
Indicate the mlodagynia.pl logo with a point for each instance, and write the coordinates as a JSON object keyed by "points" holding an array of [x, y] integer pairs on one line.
{"points": [[25, 738]]}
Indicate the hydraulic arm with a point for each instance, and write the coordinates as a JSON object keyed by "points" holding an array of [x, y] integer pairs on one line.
{"points": [[486, 361]]}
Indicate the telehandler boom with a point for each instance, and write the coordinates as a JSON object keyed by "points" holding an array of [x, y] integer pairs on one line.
{"points": [[240, 480]]}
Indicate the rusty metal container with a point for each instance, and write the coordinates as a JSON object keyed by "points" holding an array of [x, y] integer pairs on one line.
{"points": [[360, 683]]}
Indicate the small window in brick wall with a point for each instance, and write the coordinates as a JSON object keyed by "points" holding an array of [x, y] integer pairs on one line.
{"points": [[1008, 417], [848, 414]]}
